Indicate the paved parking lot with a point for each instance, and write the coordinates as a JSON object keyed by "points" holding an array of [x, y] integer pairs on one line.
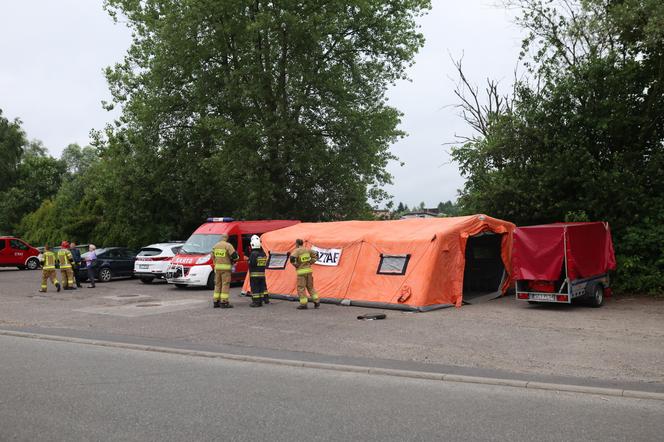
{"points": [[620, 342]]}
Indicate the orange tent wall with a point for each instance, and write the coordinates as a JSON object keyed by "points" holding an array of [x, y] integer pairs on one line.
{"points": [[435, 271]]}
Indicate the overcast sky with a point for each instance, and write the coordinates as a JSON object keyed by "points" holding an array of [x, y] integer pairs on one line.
{"points": [[54, 52]]}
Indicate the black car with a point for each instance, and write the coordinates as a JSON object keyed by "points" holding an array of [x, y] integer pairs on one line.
{"points": [[111, 262]]}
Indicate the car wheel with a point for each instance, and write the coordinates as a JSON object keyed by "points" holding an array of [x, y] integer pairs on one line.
{"points": [[105, 274], [33, 264], [181, 286], [210, 281], [147, 279], [595, 294]]}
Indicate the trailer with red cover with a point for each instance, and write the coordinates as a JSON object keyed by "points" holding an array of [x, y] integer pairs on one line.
{"points": [[563, 261]]}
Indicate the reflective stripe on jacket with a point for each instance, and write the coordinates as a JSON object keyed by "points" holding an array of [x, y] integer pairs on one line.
{"points": [[49, 261], [65, 259], [257, 261], [302, 259], [223, 255]]}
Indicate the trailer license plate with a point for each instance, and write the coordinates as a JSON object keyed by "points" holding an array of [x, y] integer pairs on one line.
{"points": [[542, 297]]}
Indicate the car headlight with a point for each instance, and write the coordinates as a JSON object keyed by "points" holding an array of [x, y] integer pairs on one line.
{"points": [[203, 259]]}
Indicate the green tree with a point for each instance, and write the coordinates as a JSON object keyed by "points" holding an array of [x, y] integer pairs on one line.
{"points": [[255, 109], [448, 208], [583, 137], [38, 177], [12, 141], [78, 159], [75, 212], [35, 148]]}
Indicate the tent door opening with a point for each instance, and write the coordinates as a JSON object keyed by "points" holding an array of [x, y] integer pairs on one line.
{"points": [[484, 271]]}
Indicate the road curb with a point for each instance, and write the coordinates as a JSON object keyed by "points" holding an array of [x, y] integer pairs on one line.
{"points": [[350, 368]]}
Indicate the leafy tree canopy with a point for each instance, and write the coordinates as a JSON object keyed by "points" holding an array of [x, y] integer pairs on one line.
{"points": [[12, 141], [29, 175], [258, 109]]}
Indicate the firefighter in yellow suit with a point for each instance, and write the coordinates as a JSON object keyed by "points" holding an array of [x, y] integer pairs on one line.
{"points": [[223, 257], [48, 269], [302, 259], [65, 259]]}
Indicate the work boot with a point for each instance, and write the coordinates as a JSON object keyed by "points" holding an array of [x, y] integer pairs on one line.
{"points": [[302, 307], [57, 286], [226, 304], [316, 304], [256, 302], [216, 304], [266, 299], [42, 291]]}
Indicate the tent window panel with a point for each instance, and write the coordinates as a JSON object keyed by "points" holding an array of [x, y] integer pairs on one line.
{"points": [[393, 264], [277, 261]]}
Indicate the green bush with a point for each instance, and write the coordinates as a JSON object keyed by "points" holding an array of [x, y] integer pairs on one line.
{"points": [[640, 258]]}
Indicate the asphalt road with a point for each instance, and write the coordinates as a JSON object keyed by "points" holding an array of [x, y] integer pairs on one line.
{"points": [[619, 345], [63, 391]]}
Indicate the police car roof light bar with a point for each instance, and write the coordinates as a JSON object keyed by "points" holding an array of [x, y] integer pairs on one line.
{"points": [[222, 219]]}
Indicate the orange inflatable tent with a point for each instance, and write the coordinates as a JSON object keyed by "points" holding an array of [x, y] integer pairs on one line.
{"points": [[411, 264]]}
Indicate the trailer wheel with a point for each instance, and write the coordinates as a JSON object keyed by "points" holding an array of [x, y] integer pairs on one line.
{"points": [[595, 294]]}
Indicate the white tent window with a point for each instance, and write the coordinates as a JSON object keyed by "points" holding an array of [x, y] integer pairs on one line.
{"points": [[277, 261], [393, 264]]}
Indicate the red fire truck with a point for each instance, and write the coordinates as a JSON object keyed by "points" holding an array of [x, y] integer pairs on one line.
{"points": [[192, 266]]}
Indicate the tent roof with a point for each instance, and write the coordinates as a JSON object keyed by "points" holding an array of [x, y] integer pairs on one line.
{"points": [[411, 229]]}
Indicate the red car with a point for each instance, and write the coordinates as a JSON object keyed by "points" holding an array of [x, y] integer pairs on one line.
{"points": [[15, 252]]}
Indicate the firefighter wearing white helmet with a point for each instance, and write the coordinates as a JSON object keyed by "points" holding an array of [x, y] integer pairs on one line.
{"points": [[257, 260], [223, 257]]}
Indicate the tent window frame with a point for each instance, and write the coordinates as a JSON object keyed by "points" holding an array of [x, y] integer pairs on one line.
{"points": [[270, 266], [381, 271]]}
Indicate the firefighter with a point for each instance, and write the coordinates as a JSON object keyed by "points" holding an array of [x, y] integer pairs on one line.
{"points": [[223, 257], [302, 259], [48, 269], [65, 259], [76, 263], [257, 260]]}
